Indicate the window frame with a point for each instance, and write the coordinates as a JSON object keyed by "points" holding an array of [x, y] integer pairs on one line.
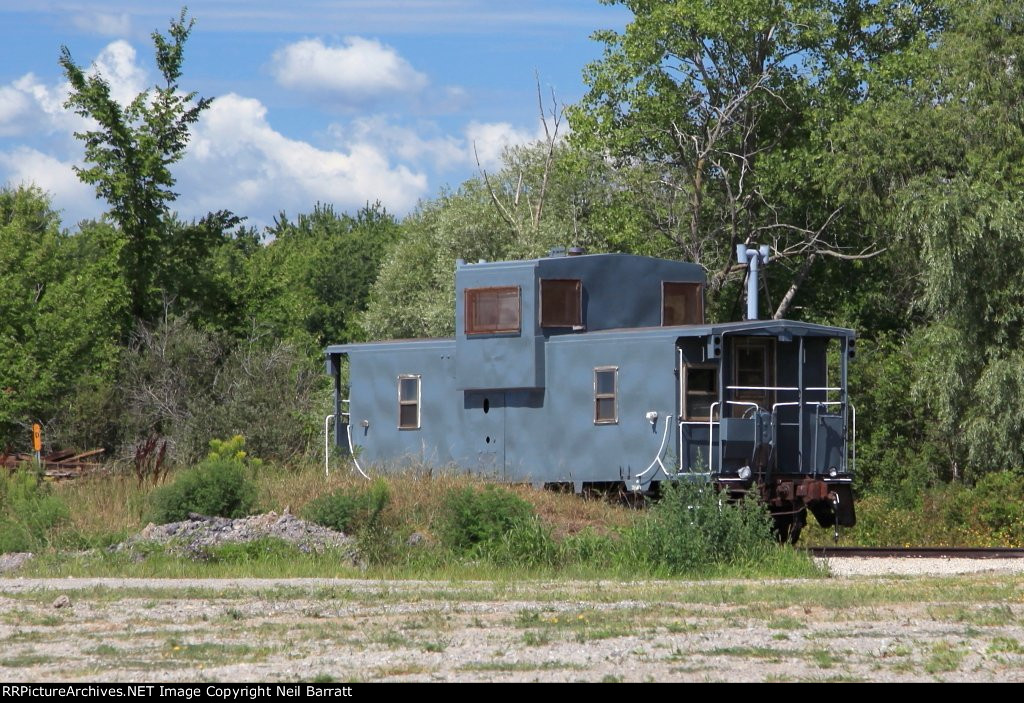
{"points": [[700, 301], [470, 304], [579, 304], [614, 396], [417, 402], [764, 399], [685, 395]]}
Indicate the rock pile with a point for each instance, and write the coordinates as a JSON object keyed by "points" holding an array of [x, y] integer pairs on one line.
{"points": [[14, 561], [200, 532]]}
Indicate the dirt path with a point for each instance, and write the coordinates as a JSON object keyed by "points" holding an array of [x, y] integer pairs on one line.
{"points": [[961, 627]]}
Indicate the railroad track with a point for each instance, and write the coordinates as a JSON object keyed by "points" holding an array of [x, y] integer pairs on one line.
{"points": [[920, 552]]}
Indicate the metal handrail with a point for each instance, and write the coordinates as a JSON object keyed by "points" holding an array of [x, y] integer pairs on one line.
{"points": [[732, 402], [853, 413], [711, 422], [761, 388], [781, 388], [742, 402], [327, 445], [711, 437]]}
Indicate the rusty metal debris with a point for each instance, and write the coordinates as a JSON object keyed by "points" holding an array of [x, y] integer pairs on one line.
{"points": [[56, 466]]}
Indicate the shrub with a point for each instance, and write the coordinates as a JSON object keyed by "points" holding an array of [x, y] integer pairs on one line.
{"points": [[527, 544], [360, 511], [692, 527], [350, 510], [261, 550], [995, 504], [186, 384], [590, 549], [27, 511], [216, 486], [471, 517]]}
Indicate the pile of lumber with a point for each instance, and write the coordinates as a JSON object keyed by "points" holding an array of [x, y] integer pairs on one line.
{"points": [[62, 464]]}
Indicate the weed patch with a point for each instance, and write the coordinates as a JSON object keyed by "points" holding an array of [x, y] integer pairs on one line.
{"points": [[219, 485], [28, 512], [944, 657], [473, 517]]}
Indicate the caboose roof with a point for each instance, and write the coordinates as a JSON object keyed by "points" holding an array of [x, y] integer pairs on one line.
{"points": [[755, 328]]}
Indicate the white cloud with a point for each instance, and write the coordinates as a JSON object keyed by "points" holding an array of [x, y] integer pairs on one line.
{"points": [[15, 107], [422, 145], [492, 138], [239, 162], [26, 166], [29, 106], [359, 71], [48, 99], [425, 145], [103, 23], [116, 63]]}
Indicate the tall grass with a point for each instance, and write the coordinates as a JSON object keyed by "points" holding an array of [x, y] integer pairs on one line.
{"points": [[988, 514], [28, 511], [435, 524]]}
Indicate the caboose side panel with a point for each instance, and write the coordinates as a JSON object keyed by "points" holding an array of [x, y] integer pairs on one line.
{"points": [[593, 426]]}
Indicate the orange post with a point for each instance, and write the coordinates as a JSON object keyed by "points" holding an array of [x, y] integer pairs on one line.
{"points": [[37, 441]]}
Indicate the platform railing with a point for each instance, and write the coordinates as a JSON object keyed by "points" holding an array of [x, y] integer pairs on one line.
{"points": [[711, 422]]}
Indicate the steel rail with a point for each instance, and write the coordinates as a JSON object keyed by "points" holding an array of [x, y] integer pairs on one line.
{"points": [[919, 552]]}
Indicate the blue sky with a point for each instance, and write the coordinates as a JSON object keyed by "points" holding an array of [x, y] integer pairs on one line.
{"points": [[338, 101]]}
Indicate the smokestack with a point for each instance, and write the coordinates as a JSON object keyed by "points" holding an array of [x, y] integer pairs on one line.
{"points": [[753, 258]]}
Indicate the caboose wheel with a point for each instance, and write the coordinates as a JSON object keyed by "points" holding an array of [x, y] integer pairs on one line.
{"points": [[788, 526], [799, 521], [781, 525]]}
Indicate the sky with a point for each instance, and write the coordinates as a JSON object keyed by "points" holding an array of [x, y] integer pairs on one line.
{"points": [[332, 101]]}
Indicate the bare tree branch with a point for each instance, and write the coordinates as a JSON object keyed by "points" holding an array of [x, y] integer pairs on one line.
{"points": [[550, 137], [494, 197]]}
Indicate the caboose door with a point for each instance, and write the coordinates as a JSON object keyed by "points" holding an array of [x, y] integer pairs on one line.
{"points": [[753, 374], [485, 432]]}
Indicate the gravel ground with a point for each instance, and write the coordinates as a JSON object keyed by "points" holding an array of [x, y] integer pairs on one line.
{"points": [[869, 622], [881, 566]]}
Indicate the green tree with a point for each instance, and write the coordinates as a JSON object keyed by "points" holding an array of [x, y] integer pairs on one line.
{"points": [[60, 307], [934, 157], [128, 159], [203, 272], [310, 281], [712, 110]]}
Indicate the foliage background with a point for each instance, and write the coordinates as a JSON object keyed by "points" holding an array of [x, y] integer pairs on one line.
{"points": [[876, 145]]}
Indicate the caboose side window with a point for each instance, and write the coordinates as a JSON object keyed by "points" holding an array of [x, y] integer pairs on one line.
{"points": [[492, 310], [561, 303], [606, 388], [682, 303], [700, 390], [408, 402]]}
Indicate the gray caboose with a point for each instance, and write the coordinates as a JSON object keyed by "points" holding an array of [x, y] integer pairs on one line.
{"points": [[598, 370]]}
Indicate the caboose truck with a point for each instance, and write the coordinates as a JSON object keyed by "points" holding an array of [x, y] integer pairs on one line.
{"points": [[599, 370]]}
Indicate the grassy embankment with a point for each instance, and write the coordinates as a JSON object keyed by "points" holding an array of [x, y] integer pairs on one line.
{"points": [[461, 528]]}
